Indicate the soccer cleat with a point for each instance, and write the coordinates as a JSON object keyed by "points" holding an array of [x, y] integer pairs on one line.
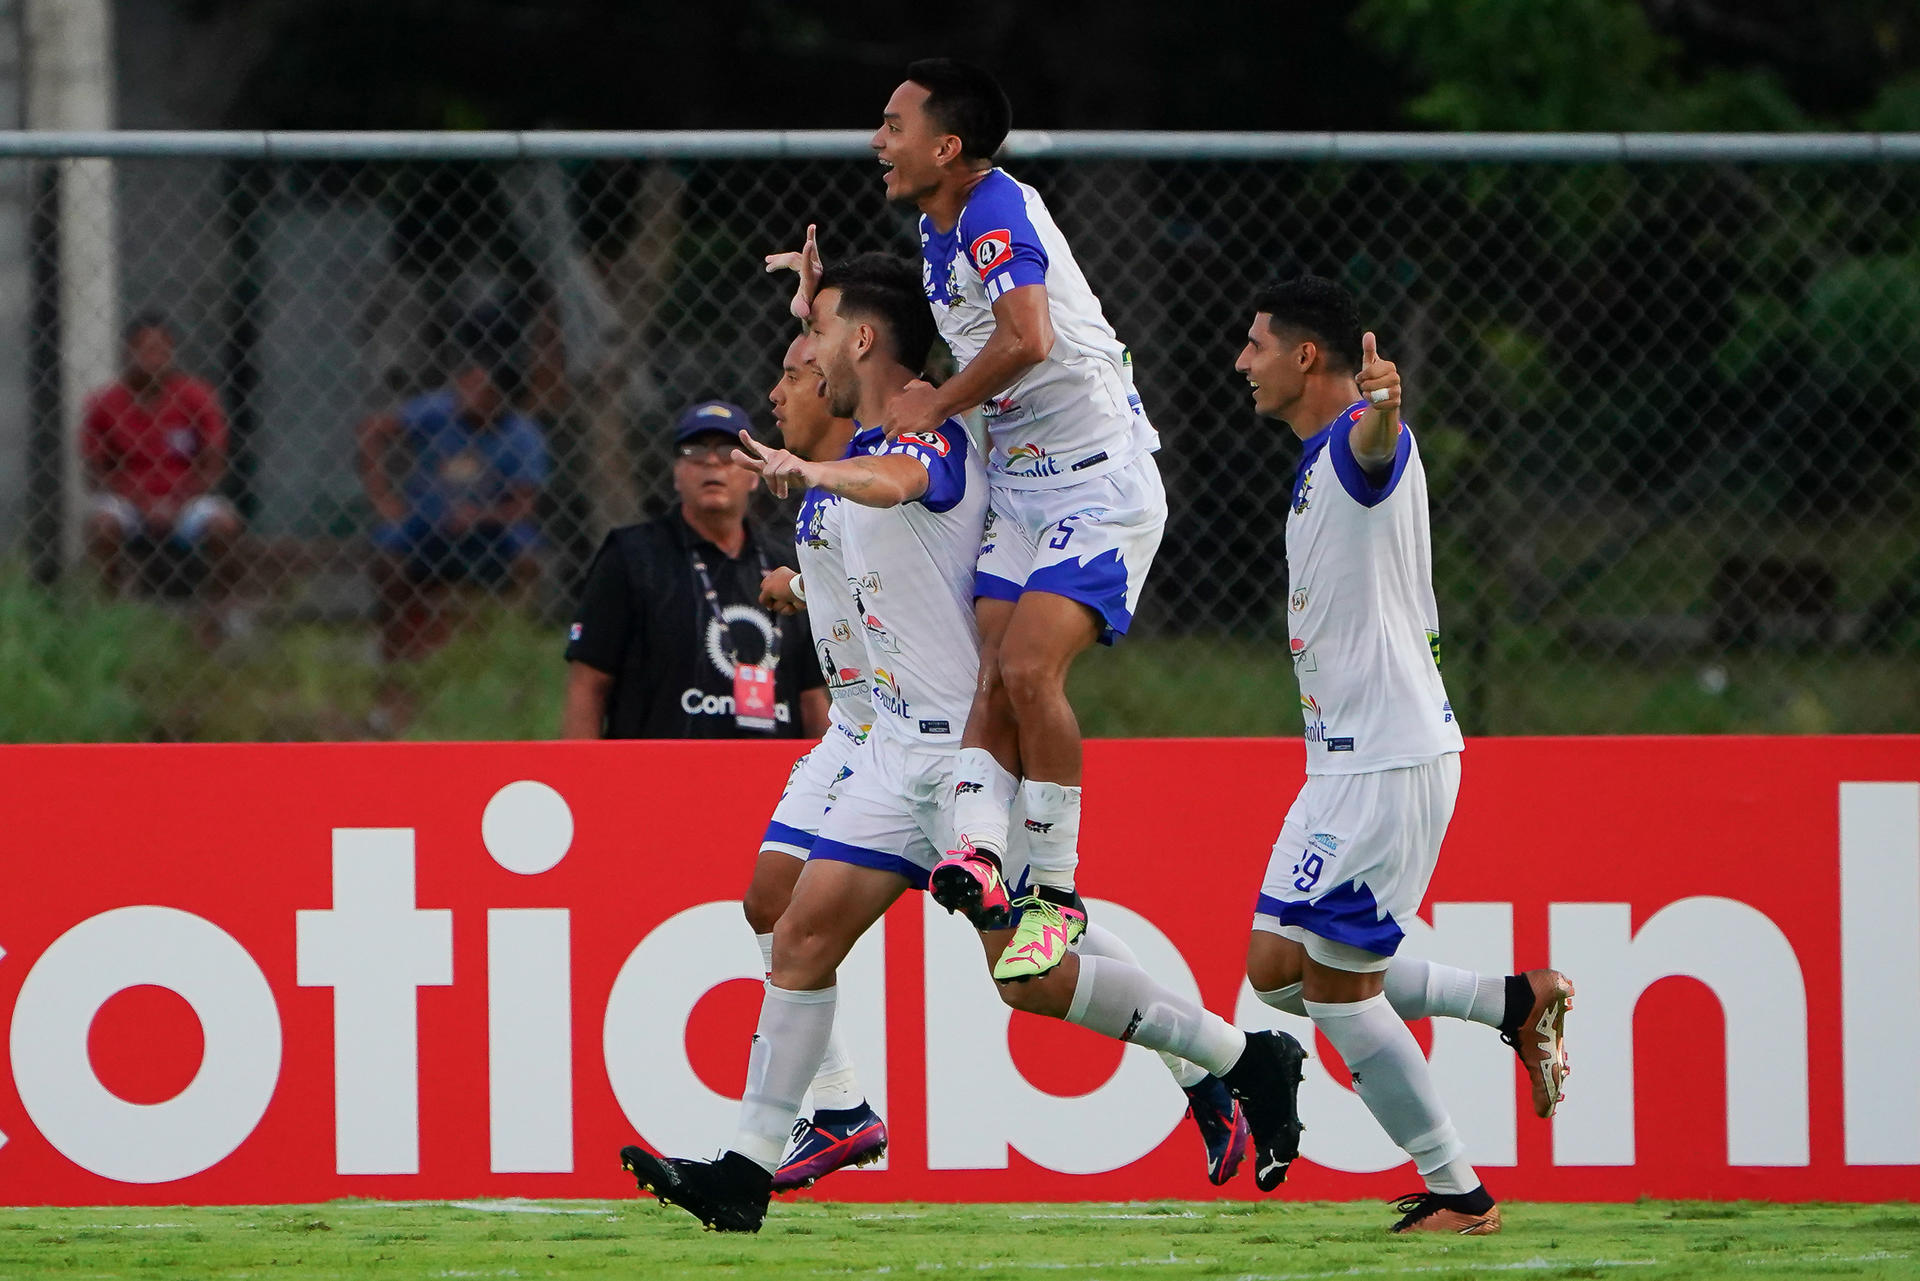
{"points": [[1041, 938], [1538, 1035], [1266, 1080], [968, 881], [1223, 1128], [821, 1146], [1472, 1214], [728, 1195]]}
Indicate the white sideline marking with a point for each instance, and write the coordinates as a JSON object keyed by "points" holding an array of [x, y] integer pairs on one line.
{"points": [[1179, 1214], [1535, 1264], [511, 1206]]}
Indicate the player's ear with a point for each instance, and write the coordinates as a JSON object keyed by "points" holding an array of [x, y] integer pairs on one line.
{"points": [[1308, 356]]}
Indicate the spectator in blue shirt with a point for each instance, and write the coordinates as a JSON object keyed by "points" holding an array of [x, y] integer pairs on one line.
{"points": [[453, 477]]}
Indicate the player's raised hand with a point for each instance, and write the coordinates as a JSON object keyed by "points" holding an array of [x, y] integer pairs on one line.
{"points": [[1379, 380], [914, 408], [806, 262], [780, 469]]}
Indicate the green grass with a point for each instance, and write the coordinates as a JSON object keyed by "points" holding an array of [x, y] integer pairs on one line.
{"points": [[1648, 1241]]}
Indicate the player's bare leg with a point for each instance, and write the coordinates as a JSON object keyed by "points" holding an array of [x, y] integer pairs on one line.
{"points": [[1528, 1009], [833, 904], [843, 1129]]}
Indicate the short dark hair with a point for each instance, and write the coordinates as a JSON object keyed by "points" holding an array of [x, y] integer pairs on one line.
{"points": [[967, 102], [1319, 308], [886, 289], [141, 321]]}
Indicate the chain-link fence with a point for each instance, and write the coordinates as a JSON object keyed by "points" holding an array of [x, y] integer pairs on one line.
{"points": [[1667, 408]]}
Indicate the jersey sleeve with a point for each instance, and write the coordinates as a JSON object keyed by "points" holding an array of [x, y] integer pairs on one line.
{"points": [[1367, 490], [1000, 239], [605, 620], [944, 454]]}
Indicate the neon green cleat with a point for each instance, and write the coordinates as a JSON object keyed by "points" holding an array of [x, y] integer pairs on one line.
{"points": [[1041, 938]]}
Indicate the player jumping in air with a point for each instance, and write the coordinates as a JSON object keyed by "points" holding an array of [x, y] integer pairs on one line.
{"points": [[1360, 843], [1077, 506], [913, 509]]}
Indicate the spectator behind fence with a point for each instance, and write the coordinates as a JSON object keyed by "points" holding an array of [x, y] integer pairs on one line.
{"points": [[670, 640], [471, 468], [154, 442]]}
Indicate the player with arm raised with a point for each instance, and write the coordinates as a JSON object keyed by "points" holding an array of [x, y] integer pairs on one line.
{"points": [[1077, 508], [1360, 843], [914, 508]]}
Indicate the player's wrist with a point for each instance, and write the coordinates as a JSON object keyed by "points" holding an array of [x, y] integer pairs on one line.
{"points": [[797, 587]]}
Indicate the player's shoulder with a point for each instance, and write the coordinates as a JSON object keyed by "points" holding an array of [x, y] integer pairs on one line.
{"points": [[997, 200], [947, 441]]}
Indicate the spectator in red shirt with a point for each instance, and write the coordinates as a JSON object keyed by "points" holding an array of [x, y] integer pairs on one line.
{"points": [[155, 446]]}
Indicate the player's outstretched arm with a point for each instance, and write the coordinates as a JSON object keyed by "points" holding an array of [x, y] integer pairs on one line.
{"points": [[806, 262], [886, 480], [1376, 436], [1022, 337]]}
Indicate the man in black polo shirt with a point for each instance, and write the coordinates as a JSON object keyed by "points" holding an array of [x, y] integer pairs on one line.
{"points": [[670, 640]]}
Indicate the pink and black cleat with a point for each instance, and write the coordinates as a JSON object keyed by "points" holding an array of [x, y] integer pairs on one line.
{"points": [[968, 881]]}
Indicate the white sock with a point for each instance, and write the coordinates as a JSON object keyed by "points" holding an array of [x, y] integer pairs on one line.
{"points": [[766, 953], [1287, 999], [787, 1048], [1124, 1002], [1052, 831], [1101, 941], [983, 793], [1425, 989], [1391, 1077], [835, 1087]]}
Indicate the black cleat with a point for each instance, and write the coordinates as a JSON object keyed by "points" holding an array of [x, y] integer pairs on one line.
{"points": [[1266, 1080], [1469, 1214], [728, 1195]]}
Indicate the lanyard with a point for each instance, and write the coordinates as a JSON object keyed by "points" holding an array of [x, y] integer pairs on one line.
{"points": [[772, 660]]}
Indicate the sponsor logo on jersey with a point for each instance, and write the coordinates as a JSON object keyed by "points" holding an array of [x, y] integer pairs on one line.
{"points": [[1030, 460], [886, 692], [1303, 496], [877, 630], [573, 633], [1316, 725], [1298, 602], [842, 630], [1000, 405], [839, 676], [928, 440], [995, 249], [1433, 644]]}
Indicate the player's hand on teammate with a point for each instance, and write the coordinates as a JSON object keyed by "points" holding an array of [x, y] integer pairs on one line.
{"points": [[781, 470], [776, 591], [914, 408], [806, 262], [1379, 379]]}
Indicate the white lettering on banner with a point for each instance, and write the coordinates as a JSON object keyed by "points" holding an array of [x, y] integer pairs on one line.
{"points": [[375, 949], [1750, 966], [528, 828], [239, 1066], [529, 1041], [644, 1038], [696, 702], [1880, 970], [1472, 1069], [1113, 1126]]}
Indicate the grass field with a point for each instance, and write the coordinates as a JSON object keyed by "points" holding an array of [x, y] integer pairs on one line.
{"points": [[1265, 1241]]}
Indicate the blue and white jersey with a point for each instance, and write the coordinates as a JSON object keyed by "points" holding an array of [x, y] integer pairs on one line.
{"points": [[1362, 623], [819, 540], [1073, 416], [910, 569]]}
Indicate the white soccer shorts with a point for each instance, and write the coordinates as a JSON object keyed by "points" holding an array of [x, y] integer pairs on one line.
{"points": [[810, 789], [1354, 858], [1092, 542]]}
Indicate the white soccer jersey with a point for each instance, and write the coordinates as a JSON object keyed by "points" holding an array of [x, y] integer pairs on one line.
{"points": [[911, 570], [1361, 618], [819, 538], [1076, 414]]}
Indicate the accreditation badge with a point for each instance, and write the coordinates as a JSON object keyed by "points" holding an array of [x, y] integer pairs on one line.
{"points": [[753, 702]]}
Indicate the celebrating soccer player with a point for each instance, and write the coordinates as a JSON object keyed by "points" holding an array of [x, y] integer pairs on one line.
{"points": [[1077, 507], [912, 512], [1359, 846]]}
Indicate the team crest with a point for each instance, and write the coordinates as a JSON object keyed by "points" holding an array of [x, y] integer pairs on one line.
{"points": [[1303, 496]]}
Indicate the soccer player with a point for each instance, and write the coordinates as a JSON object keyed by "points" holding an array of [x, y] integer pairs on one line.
{"points": [[1360, 843], [913, 510], [1077, 505], [844, 1129]]}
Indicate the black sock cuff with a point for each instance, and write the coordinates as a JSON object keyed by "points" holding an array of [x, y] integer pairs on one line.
{"points": [[1519, 1001]]}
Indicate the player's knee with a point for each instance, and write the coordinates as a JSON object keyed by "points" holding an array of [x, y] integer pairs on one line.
{"points": [[762, 908], [1046, 996], [1030, 678], [804, 954]]}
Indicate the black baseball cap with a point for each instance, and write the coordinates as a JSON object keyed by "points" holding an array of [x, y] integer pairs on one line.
{"points": [[711, 418]]}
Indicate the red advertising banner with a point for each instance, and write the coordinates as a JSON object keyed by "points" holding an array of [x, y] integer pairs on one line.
{"points": [[290, 973]]}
